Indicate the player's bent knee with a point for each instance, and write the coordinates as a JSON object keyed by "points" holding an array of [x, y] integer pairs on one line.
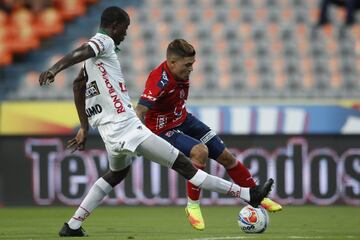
{"points": [[199, 154], [184, 167], [115, 177], [227, 159]]}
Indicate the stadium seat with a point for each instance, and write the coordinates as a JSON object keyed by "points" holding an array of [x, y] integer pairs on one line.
{"points": [[280, 80], [90, 1], [233, 15], [252, 80], [336, 80], [182, 13], [224, 81], [48, 23], [22, 16], [3, 18], [194, 16], [23, 39], [261, 14], [242, 45], [308, 80], [140, 79], [70, 9], [4, 32], [22, 36], [6, 56]]}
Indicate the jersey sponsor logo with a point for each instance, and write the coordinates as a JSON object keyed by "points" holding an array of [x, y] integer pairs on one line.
{"points": [[118, 105], [164, 80], [161, 121], [122, 87], [151, 98], [92, 90], [209, 135], [93, 110]]}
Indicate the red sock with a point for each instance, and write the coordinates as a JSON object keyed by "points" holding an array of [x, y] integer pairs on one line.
{"points": [[193, 191], [241, 175]]}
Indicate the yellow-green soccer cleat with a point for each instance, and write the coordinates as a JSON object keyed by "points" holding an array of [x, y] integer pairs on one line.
{"points": [[194, 215], [270, 205]]}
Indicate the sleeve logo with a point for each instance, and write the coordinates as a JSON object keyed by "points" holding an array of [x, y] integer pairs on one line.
{"points": [[163, 81]]}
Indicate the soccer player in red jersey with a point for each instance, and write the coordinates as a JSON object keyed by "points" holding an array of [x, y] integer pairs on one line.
{"points": [[162, 107]]}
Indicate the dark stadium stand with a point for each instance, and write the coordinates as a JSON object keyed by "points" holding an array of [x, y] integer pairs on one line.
{"points": [[246, 48]]}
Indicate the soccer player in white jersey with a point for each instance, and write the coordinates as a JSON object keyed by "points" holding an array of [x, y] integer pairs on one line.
{"points": [[101, 99]]}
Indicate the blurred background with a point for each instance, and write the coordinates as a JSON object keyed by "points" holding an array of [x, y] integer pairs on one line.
{"points": [[279, 80]]}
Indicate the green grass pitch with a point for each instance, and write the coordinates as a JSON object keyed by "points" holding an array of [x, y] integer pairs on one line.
{"points": [[305, 222]]}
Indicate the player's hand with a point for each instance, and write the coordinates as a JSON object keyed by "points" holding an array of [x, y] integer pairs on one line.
{"points": [[46, 78], [78, 143]]}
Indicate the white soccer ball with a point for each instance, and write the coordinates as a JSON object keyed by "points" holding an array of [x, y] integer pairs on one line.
{"points": [[253, 220]]}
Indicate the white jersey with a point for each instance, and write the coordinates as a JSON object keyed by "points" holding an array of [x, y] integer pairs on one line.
{"points": [[108, 107], [107, 99]]}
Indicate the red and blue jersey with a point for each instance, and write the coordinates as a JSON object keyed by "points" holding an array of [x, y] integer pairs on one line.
{"points": [[166, 98]]}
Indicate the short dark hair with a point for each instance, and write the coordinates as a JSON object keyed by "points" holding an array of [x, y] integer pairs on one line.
{"points": [[180, 48], [114, 14]]}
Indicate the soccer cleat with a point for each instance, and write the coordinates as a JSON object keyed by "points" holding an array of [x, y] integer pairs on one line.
{"points": [[270, 205], [258, 193], [194, 215], [66, 231]]}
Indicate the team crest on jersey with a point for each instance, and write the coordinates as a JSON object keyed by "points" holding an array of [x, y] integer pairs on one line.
{"points": [[169, 133], [92, 90], [161, 121], [164, 80]]}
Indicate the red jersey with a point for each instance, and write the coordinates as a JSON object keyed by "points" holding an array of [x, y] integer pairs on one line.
{"points": [[165, 99]]}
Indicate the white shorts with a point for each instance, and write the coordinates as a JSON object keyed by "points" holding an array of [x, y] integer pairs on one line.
{"points": [[158, 150], [121, 140]]}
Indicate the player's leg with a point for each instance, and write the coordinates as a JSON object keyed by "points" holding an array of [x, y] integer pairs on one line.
{"points": [[241, 175], [236, 170], [217, 151], [119, 168], [160, 151], [192, 148], [198, 154]]}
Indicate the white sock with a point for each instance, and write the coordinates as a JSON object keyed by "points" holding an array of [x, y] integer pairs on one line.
{"points": [[209, 182], [97, 192], [191, 202]]}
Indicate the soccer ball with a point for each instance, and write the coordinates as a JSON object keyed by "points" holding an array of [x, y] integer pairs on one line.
{"points": [[253, 220]]}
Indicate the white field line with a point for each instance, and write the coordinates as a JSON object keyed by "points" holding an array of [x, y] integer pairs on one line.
{"points": [[270, 237]]}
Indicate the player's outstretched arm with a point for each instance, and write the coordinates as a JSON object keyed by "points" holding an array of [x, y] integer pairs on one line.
{"points": [[141, 111], [78, 55], [79, 87]]}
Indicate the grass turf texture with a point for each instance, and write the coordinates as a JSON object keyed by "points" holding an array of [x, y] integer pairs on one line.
{"points": [[305, 222]]}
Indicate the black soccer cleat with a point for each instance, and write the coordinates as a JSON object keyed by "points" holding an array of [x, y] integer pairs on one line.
{"points": [[258, 193], [66, 231]]}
